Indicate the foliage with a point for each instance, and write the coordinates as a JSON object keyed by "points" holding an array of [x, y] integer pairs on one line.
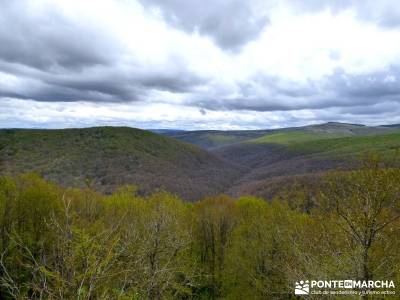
{"points": [[294, 137], [107, 157], [59, 243]]}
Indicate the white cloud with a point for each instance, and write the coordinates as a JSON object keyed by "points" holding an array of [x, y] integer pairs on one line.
{"points": [[19, 113], [110, 62]]}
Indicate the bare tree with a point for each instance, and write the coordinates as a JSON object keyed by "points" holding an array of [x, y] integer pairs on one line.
{"points": [[366, 202]]}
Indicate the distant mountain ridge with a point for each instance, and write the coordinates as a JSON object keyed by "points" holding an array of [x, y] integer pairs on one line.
{"points": [[166, 131], [392, 125], [211, 139], [236, 162], [276, 157]]}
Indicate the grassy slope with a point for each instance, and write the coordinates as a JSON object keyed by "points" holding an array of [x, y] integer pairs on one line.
{"points": [[380, 143], [273, 159], [332, 143], [214, 139], [290, 137], [320, 132], [114, 156]]}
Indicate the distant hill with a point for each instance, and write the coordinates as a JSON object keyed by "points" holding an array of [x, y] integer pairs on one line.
{"points": [[212, 139], [392, 126], [274, 158], [166, 131], [107, 157]]}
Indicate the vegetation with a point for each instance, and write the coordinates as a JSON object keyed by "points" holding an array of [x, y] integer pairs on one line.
{"points": [[212, 139], [108, 157], [331, 143], [384, 144], [215, 139], [276, 158], [233, 162], [294, 137], [59, 243]]}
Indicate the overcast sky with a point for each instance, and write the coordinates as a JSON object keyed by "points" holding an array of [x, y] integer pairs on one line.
{"points": [[198, 64]]}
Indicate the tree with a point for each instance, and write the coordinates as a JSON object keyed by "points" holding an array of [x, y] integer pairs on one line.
{"points": [[214, 221], [256, 262], [367, 205]]}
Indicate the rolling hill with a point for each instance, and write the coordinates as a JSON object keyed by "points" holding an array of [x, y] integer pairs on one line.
{"points": [[107, 157], [258, 162], [211, 139], [214, 139], [273, 158]]}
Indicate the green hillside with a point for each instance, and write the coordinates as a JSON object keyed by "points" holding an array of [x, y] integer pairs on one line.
{"points": [[108, 157], [319, 132], [291, 137], [273, 160], [384, 144], [332, 143], [214, 139]]}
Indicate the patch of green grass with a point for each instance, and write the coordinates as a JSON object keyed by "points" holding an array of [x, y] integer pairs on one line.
{"points": [[383, 143], [332, 144], [221, 138], [293, 137]]}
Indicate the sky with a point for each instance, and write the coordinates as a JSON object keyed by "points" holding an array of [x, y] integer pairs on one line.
{"points": [[198, 64]]}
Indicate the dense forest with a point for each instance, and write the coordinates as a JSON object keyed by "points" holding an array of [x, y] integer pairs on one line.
{"points": [[70, 243], [114, 156], [192, 164]]}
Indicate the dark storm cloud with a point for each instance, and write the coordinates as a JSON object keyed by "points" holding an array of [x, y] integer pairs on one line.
{"points": [[180, 82], [375, 109], [48, 41], [231, 23], [265, 93], [370, 87], [339, 89], [104, 84], [58, 59]]}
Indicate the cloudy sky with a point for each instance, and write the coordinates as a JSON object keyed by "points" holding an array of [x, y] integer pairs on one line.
{"points": [[198, 64]]}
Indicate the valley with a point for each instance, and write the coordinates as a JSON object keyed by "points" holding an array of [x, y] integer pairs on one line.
{"points": [[274, 159], [192, 164], [123, 213]]}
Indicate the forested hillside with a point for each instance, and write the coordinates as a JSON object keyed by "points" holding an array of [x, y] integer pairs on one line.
{"points": [[272, 159], [59, 243], [108, 157], [214, 139], [235, 162]]}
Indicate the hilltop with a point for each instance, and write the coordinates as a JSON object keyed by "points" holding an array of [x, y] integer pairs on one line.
{"points": [[275, 158], [108, 157], [213, 139]]}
